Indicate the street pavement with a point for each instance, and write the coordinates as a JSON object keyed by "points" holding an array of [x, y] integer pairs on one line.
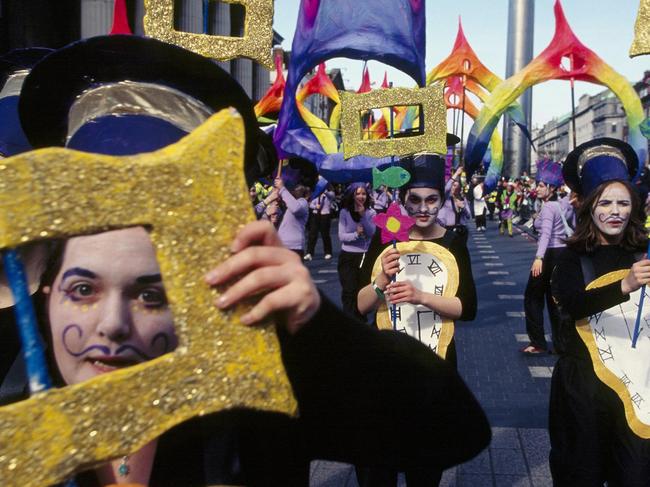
{"points": [[512, 388]]}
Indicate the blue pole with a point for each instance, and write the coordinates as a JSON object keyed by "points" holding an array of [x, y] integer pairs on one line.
{"points": [[639, 313], [33, 350], [32, 345], [206, 16]]}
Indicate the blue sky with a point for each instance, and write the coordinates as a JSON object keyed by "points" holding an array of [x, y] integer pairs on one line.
{"points": [[605, 26]]}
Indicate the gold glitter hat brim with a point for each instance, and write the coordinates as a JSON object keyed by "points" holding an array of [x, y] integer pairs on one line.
{"points": [[55, 83]]}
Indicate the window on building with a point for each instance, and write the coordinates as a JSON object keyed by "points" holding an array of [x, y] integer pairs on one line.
{"points": [[614, 127]]}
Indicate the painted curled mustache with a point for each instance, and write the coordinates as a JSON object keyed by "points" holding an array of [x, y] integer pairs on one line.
{"points": [[605, 219], [161, 336], [422, 213]]}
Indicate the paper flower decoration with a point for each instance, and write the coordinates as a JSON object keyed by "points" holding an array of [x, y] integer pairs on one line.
{"points": [[394, 225]]}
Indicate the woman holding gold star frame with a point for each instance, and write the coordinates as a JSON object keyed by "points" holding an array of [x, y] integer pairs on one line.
{"points": [[327, 356]]}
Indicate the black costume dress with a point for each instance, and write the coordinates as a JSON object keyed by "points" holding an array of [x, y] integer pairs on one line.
{"points": [[423, 474], [591, 441], [355, 407], [466, 292]]}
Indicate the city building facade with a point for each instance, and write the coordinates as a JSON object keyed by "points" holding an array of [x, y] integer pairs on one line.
{"points": [[47, 23], [599, 115]]}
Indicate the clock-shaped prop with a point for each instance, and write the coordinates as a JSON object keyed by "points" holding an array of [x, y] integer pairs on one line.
{"points": [[431, 268], [608, 336]]}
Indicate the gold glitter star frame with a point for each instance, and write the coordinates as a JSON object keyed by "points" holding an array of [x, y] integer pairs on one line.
{"points": [[433, 137], [641, 43], [256, 44], [193, 197]]}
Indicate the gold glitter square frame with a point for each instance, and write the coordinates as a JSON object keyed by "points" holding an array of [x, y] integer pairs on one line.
{"points": [[256, 44], [193, 196], [641, 42], [432, 140]]}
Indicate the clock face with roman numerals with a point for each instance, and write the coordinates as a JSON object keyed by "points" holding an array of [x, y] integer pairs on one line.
{"points": [[433, 269], [609, 336]]}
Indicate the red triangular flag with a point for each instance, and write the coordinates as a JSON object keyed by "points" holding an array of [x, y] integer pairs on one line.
{"points": [[365, 82], [385, 84], [120, 19]]}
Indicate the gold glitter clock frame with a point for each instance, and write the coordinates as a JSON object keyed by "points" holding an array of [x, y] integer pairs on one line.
{"points": [[432, 140], [193, 197], [256, 44], [604, 374], [641, 43], [448, 259]]}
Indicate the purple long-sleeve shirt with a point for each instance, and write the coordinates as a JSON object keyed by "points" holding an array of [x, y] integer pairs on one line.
{"points": [[325, 201], [447, 216], [550, 227], [351, 241], [292, 228]]}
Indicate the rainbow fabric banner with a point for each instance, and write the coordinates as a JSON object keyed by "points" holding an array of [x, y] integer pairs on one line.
{"points": [[355, 30], [584, 65]]}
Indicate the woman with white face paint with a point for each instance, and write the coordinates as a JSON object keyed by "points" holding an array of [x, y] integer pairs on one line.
{"points": [[591, 438], [422, 198]]}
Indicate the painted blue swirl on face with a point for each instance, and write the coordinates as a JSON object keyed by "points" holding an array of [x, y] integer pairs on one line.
{"points": [[161, 336], [102, 348]]}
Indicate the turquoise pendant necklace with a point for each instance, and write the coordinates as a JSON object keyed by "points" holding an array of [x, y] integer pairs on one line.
{"points": [[123, 470]]}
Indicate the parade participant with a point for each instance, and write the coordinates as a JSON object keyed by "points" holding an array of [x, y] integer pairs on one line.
{"points": [[550, 225], [320, 218], [355, 233], [353, 404], [455, 211], [592, 442], [478, 201], [381, 198], [422, 198], [268, 205], [508, 205], [492, 203], [294, 216]]}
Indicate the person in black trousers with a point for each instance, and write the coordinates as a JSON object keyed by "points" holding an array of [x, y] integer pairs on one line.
{"points": [[320, 218]]}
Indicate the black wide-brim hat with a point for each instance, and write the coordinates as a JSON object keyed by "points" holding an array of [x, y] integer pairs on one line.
{"points": [[18, 59], [598, 161], [54, 85], [12, 137], [426, 170]]}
